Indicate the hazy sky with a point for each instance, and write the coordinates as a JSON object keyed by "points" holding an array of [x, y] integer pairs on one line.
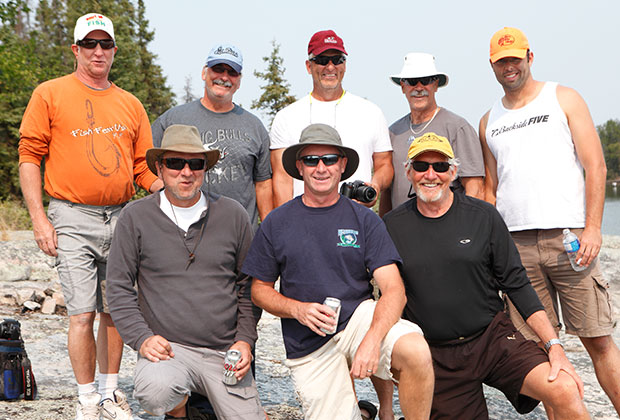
{"points": [[574, 43]]}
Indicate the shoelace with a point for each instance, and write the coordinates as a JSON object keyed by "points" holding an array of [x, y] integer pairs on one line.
{"points": [[90, 412]]}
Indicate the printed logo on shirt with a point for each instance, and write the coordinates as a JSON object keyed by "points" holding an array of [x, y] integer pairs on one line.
{"points": [[348, 238], [515, 126], [232, 144], [465, 241]]}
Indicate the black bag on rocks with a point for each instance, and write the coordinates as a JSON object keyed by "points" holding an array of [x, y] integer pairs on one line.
{"points": [[16, 377]]}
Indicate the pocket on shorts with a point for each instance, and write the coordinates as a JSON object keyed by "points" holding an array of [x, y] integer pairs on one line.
{"points": [[244, 389], [603, 298]]}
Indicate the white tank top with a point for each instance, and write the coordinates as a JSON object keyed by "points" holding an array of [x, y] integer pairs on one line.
{"points": [[540, 179]]}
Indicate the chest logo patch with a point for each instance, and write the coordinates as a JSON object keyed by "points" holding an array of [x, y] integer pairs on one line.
{"points": [[465, 241], [348, 238]]}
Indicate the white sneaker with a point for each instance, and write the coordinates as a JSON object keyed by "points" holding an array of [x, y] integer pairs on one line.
{"points": [[88, 407], [117, 409]]}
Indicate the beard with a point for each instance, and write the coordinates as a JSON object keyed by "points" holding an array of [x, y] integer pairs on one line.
{"points": [[426, 197]]}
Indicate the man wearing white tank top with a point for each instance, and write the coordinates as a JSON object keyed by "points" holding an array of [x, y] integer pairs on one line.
{"points": [[538, 142]]}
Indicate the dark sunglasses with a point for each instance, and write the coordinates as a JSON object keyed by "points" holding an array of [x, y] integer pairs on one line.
{"points": [[178, 164], [223, 69], [90, 43], [421, 166], [412, 81], [323, 60], [313, 160]]}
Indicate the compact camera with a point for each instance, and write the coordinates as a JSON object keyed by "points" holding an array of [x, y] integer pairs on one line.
{"points": [[10, 329], [359, 191]]}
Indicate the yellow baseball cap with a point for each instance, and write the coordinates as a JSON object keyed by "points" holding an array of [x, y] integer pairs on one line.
{"points": [[508, 42], [430, 142]]}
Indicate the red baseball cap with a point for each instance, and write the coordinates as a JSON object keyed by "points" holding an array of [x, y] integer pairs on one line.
{"points": [[323, 41]]}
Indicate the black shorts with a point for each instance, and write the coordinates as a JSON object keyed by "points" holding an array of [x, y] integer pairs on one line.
{"points": [[500, 357]]}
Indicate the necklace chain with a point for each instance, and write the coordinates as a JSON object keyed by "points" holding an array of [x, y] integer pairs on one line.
{"points": [[191, 256], [335, 106], [415, 133]]}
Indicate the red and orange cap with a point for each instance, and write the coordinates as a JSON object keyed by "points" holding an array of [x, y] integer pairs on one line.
{"points": [[508, 42]]}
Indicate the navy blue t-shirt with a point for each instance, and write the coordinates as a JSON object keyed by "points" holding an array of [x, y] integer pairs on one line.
{"points": [[319, 252]]}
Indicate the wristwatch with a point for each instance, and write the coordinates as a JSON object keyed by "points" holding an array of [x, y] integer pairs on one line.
{"points": [[551, 342]]}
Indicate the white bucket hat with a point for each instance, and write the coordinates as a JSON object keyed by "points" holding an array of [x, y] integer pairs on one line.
{"points": [[419, 65]]}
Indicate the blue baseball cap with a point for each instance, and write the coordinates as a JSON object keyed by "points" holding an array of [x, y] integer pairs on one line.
{"points": [[226, 54]]}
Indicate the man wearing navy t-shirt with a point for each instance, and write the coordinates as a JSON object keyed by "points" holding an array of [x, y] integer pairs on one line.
{"points": [[322, 244]]}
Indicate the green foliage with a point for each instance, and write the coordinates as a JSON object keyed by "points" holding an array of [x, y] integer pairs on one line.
{"points": [[31, 54], [609, 132], [276, 91], [14, 216]]}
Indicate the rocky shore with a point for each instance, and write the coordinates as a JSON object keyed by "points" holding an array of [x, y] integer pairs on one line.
{"points": [[25, 271]]}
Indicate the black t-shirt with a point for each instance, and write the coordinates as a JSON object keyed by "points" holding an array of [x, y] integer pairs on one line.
{"points": [[454, 266], [319, 252]]}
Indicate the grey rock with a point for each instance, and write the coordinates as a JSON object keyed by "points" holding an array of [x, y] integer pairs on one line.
{"points": [[46, 336], [14, 272], [49, 305], [22, 295], [59, 298], [33, 306], [8, 299]]}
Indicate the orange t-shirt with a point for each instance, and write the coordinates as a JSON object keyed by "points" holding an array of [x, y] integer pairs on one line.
{"points": [[93, 141]]}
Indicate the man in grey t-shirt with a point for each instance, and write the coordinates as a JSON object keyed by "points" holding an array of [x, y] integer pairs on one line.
{"points": [[419, 81], [244, 170]]}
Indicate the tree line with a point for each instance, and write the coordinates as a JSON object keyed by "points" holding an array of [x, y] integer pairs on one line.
{"points": [[34, 47]]}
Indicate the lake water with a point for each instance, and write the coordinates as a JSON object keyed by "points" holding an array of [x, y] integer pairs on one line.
{"points": [[611, 215]]}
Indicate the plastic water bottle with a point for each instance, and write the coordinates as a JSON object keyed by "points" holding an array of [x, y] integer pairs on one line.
{"points": [[571, 246]]}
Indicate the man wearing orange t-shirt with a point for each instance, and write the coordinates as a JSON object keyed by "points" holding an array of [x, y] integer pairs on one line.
{"points": [[93, 137]]}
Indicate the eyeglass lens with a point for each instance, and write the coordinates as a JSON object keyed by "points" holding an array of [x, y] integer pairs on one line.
{"points": [[412, 81], [221, 69], [422, 166], [178, 164], [90, 43], [313, 160], [323, 60]]}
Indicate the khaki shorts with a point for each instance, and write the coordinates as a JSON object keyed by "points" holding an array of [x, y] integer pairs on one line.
{"points": [[161, 386], [322, 378], [583, 296], [84, 239]]}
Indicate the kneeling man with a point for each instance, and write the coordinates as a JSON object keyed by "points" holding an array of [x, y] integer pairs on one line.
{"points": [[183, 250], [457, 255], [322, 244]]}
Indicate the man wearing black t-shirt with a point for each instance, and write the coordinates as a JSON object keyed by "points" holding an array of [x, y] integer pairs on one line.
{"points": [[457, 255], [322, 244]]}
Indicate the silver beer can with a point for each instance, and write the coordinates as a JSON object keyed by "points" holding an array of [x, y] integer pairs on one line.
{"points": [[230, 361], [334, 304]]}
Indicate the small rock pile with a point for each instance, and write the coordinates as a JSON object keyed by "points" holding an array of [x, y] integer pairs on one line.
{"points": [[28, 278]]}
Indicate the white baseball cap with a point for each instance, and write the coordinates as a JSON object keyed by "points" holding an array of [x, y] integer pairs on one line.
{"points": [[92, 22]]}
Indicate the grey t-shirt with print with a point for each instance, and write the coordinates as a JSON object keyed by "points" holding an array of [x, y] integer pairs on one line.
{"points": [[456, 129], [243, 142]]}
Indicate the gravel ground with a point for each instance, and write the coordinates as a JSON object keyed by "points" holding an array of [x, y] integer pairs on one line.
{"points": [[45, 337]]}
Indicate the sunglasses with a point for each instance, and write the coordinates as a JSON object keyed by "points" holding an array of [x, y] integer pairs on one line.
{"points": [[313, 160], [323, 60], [178, 164], [90, 43], [412, 81], [421, 166], [223, 69]]}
